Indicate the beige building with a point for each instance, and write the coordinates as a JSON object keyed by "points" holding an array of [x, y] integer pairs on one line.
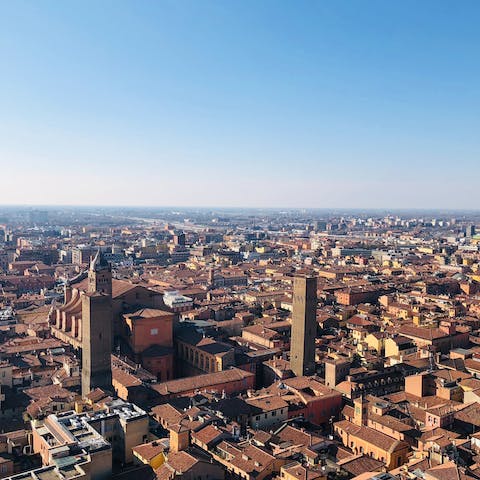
{"points": [[261, 335], [203, 355], [376, 341], [268, 412], [67, 439], [89, 442], [399, 346], [361, 434], [124, 425], [364, 440]]}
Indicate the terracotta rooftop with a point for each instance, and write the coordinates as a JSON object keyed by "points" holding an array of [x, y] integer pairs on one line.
{"points": [[125, 378], [268, 404], [207, 434], [150, 450], [370, 435], [208, 380]]}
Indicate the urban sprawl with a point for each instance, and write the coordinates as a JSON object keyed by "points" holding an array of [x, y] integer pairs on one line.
{"points": [[239, 344]]}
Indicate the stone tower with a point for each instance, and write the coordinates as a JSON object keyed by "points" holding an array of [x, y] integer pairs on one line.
{"points": [[335, 371], [360, 411], [97, 320], [211, 278], [179, 438], [304, 325], [100, 275]]}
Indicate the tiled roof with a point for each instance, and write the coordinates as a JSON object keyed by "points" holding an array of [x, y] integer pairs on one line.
{"points": [[207, 434], [150, 450], [201, 381], [371, 436], [361, 464]]}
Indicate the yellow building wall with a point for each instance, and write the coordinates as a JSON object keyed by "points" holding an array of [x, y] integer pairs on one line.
{"points": [[359, 446], [391, 348], [374, 342], [157, 461]]}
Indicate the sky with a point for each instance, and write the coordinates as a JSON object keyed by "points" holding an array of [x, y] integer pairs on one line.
{"points": [[255, 103]]}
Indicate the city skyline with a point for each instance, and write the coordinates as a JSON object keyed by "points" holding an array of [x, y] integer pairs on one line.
{"points": [[331, 105]]}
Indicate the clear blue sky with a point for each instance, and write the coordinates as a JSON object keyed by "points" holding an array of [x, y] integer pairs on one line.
{"points": [[240, 103]]}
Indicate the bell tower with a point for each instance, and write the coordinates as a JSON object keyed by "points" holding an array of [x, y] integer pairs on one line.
{"points": [[360, 410], [97, 325], [100, 275]]}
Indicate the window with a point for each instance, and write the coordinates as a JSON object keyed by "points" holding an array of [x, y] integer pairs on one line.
{"points": [[154, 331]]}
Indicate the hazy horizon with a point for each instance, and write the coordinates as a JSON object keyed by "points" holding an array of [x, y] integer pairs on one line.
{"points": [[221, 208]]}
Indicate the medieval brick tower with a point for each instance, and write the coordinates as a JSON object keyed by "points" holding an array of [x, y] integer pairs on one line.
{"points": [[97, 320], [304, 325], [100, 275]]}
